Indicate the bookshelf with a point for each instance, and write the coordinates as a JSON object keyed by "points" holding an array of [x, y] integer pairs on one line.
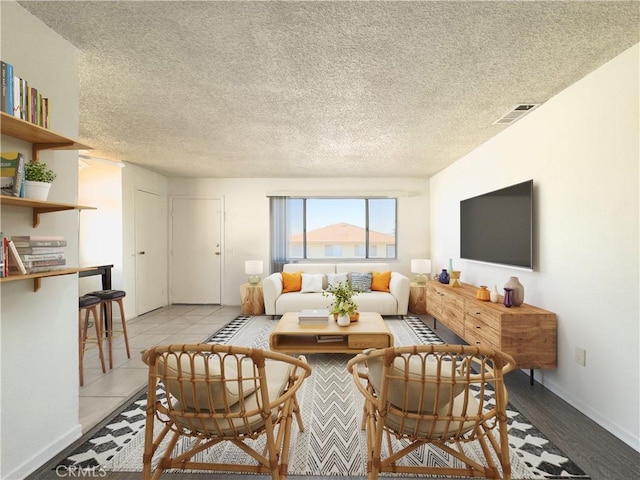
{"points": [[40, 139]]}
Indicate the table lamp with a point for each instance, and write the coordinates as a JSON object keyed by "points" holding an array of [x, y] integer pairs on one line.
{"points": [[422, 268], [253, 268]]}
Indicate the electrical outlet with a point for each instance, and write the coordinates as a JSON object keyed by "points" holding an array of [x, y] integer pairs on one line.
{"points": [[580, 356]]}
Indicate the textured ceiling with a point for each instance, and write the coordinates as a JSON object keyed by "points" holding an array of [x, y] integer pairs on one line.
{"points": [[321, 89]]}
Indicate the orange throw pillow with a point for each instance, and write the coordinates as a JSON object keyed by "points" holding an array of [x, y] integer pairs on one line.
{"points": [[291, 282], [380, 281]]}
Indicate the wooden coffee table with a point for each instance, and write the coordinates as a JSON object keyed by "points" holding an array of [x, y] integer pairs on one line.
{"points": [[370, 331]]}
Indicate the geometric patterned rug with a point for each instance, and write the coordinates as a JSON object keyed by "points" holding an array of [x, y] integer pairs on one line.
{"points": [[332, 443]]}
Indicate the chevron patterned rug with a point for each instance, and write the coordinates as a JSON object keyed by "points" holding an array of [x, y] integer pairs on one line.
{"points": [[333, 443]]}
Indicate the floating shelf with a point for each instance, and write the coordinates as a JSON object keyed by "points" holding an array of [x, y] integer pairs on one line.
{"points": [[40, 138], [39, 207], [38, 276]]}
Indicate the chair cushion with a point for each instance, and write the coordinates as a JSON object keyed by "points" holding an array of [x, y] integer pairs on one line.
{"points": [[88, 300], [438, 428], [277, 374], [435, 394], [215, 392], [380, 281], [109, 294], [291, 282]]}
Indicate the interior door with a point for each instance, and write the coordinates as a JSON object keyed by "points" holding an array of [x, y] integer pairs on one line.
{"points": [[195, 250], [151, 251]]}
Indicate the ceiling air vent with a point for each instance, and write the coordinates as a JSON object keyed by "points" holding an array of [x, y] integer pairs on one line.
{"points": [[516, 113]]}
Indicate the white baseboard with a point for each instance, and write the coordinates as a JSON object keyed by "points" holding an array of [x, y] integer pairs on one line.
{"points": [[624, 435], [38, 459]]}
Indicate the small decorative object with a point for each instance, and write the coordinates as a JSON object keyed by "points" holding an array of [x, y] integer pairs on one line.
{"points": [[37, 180], [422, 269], [495, 296], [517, 296], [454, 279], [508, 293], [444, 276], [343, 303], [483, 294], [253, 268], [343, 319]]}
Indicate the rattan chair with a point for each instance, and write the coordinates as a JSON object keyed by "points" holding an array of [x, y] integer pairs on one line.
{"points": [[221, 393], [434, 394]]}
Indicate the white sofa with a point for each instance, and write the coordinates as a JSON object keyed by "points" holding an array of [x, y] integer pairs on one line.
{"points": [[394, 302]]}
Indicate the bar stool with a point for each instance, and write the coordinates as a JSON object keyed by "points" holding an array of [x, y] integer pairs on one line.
{"points": [[107, 297], [88, 304]]}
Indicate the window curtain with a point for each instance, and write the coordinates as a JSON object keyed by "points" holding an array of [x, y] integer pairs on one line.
{"points": [[279, 235]]}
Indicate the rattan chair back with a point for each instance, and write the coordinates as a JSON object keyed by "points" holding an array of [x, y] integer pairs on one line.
{"points": [[216, 393], [444, 395]]}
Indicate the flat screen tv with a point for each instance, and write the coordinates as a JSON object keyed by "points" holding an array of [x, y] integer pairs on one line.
{"points": [[497, 227]]}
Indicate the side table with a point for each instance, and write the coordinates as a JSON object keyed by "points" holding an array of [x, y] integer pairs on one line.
{"points": [[251, 298], [418, 299]]}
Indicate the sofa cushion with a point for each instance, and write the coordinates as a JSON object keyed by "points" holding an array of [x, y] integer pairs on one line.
{"points": [[291, 282], [361, 282], [311, 282], [334, 278], [380, 281]]}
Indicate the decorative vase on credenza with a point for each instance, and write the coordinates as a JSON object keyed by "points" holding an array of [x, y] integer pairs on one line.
{"points": [[517, 291], [444, 276]]}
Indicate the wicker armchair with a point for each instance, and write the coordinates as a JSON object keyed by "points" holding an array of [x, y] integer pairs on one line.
{"points": [[220, 393], [434, 394]]}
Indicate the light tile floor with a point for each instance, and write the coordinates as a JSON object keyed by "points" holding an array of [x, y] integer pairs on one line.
{"points": [[102, 393]]}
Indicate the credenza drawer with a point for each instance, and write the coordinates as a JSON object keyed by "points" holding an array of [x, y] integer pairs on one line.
{"points": [[477, 337], [483, 314]]}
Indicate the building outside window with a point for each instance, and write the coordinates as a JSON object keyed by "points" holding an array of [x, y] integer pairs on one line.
{"points": [[332, 228]]}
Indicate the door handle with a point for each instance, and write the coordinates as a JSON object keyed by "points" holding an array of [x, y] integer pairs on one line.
{"points": [[217, 253], [140, 253]]}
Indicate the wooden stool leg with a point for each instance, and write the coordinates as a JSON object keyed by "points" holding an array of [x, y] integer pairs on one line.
{"points": [[124, 327], [81, 339], [97, 322], [109, 323]]}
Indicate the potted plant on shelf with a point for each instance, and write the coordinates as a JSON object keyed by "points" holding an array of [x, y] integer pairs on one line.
{"points": [[343, 307], [37, 180]]}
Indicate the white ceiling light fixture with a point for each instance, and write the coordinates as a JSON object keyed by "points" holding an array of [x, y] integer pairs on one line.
{"points": [[516, 113]]}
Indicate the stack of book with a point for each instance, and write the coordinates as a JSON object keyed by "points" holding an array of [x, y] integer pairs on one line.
{"points": [[313, 317], [35, 254]]}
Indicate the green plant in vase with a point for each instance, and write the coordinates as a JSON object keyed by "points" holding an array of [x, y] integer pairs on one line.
{"points": [[343, 303], [37, 180], [38, 172]]}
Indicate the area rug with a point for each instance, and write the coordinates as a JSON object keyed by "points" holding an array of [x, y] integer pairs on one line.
{"points": [[333, 443]]}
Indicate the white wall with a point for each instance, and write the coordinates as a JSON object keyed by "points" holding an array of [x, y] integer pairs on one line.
{"points": [[100, 186], [581, 150], [246, 216], [38, 331]]}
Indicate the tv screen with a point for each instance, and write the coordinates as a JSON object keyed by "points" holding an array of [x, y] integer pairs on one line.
{"points": [[497, 227]]}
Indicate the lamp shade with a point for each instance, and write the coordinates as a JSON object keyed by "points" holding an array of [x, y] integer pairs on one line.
{"points": [[253, 267], [421, 266]]}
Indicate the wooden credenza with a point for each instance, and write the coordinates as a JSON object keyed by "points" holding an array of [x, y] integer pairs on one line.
{"points": [[527, 333]]}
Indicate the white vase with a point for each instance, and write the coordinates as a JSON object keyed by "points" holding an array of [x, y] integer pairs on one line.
{"points": [[36, 190], [344, 320], [518, 291], [494, 296]]}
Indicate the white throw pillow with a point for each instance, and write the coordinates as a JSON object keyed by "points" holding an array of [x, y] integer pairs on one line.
{"points": [[334, 278], [311, 282]]}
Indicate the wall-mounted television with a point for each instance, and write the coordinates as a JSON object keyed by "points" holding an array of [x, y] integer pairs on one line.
{"points": [[497, 227]]}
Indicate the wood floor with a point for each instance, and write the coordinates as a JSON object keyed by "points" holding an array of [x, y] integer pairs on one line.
{"points": [[601, 455]]}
